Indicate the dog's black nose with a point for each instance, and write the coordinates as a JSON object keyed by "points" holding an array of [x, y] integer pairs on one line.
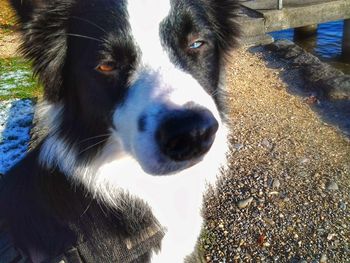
{"points": [[186, 134]]}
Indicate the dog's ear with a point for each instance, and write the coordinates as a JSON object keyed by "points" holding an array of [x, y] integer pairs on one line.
{"points": [[223, 14], [43, 25], [25, 8]]}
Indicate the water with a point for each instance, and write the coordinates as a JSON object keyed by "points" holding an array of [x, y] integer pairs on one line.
{"points": [[326, 44]]}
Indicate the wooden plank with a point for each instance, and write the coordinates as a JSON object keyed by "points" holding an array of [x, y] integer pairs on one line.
{"points": [[297, 13], [307, 15]]}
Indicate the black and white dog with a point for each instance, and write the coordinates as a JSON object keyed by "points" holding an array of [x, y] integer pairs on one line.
{"points": [[134, 109]]}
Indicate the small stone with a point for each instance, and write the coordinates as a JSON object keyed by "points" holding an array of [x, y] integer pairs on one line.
{"points": [[266, 143], [324, 258], [304, 160], [331, 236], [269, 221], [266, 244], [276, 184], [286, 199], [245, 202], [238, 146], [342, 205], [317, 175], [332, 186]]}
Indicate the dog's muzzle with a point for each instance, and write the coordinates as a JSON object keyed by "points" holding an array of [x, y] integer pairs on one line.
{"points": [[186, 134]]}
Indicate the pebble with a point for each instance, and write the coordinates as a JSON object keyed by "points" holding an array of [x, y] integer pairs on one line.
{"points": [[269, 221], [331, 236], [342, 205], [245, 202], [266, 244], [332, 186], [276, 184], [266, 143], [324, 258], [304, 160], [238, 146]]}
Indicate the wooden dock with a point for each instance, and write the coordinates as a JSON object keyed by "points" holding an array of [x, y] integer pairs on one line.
{"points": [[260, 17]]}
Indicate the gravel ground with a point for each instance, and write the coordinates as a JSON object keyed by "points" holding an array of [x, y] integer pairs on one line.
{"points": [[285, 195], [8, 45]]}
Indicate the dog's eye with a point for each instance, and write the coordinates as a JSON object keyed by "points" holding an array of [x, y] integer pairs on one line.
{"points": [[106, 67], [196, 44]]}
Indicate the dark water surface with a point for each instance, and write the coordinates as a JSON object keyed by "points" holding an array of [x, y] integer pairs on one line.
{"points": [[326, 44]]}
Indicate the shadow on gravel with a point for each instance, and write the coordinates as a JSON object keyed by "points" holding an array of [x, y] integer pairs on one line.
{"points": [[15, 124], [325, 89]]}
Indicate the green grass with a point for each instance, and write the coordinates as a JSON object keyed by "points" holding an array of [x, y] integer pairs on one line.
{"points": [[17, 81], [16, 78]]}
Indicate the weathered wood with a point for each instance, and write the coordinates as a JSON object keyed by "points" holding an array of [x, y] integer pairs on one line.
{"points": [[265, 17]]}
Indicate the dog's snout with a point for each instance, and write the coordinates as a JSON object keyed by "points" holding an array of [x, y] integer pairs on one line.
{"points": [[186, 134]]}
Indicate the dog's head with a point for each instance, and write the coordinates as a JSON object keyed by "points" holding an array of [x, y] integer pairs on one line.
{"points": [[139, 78]]}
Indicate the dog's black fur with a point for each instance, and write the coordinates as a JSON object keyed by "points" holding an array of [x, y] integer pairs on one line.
{"points": [[47, 215], [65, 40]]}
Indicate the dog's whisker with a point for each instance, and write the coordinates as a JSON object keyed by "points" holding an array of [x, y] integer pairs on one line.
{"points": [[92, 146], [86, 209], [89, 22], [214, 93], [95, 137], [82, 36]]}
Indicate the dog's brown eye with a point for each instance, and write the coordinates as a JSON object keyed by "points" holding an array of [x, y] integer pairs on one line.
{"points": [[106, 67]]}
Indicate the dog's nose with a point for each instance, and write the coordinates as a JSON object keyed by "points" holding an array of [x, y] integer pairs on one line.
{"points": [[186, 134]]}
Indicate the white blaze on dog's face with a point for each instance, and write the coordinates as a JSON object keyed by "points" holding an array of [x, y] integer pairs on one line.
{"points": [[162, 94]]}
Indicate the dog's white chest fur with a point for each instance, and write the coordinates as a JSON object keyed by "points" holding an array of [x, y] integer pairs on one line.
{"points": [[175, 200]]}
